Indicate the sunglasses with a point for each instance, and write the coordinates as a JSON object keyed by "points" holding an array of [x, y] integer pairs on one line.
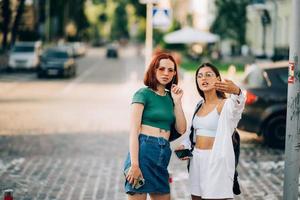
{"points": [[206, 75]]}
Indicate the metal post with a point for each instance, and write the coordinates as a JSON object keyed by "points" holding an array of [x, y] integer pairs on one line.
{"points": [[149, 33], [292, 144]]}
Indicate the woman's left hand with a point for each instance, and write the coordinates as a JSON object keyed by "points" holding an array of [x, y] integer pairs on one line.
{"points": [[176, 93], [227, 86]]}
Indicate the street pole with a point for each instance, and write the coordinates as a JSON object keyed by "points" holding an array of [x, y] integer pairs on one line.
{"points": [[292, 144], [149, 34]]}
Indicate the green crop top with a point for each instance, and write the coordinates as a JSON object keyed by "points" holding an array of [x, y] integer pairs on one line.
{"points": [[158, 110]]}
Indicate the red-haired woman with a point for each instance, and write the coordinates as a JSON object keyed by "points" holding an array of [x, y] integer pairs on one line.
{"points": [[154, 110]]}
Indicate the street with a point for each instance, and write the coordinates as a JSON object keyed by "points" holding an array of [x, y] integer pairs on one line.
{"points": [[66, 139]]}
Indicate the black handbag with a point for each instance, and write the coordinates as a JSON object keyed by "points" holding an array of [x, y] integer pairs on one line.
{"points": [[173, 133]]}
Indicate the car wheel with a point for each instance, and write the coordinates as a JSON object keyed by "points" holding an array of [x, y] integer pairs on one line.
{"points": [[74, 72], [9, 69], [66, 73], [274, 131], [40, 75]]}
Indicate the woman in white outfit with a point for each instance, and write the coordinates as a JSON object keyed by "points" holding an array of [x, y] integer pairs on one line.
{"points": [[212, 166]]}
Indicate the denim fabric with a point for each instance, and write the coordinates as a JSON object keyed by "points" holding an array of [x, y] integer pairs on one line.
{"points": [[154, 158]]}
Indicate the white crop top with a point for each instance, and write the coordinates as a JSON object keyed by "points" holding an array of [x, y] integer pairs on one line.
{"points": [[206, 125]]}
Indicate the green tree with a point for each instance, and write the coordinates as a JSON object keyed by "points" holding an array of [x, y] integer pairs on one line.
{"points": [[69, 11], [77, 15], [120, 23], [230, 22], [98, 1], [6, 15], [140, 9], [16, 23]]}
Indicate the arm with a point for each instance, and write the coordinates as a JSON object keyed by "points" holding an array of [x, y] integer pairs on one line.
{"points": [[180, 123], [135, 124], [236, 106], [186, 143], [236, 102]]}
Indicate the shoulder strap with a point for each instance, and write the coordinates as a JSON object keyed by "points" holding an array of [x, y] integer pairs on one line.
{"points": [[192, 128]]}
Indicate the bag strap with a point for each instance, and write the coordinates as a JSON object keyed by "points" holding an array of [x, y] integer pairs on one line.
{"points": [[192, 128]]}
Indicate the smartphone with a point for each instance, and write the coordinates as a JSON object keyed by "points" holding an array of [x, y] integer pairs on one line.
{"points": [[183, 153], [140, 181]]}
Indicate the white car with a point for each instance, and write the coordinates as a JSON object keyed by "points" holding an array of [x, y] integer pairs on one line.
{"points": [[25, 55]]}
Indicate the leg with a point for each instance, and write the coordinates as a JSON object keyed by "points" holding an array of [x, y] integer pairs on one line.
{"points": [[196, 197], [137, 197], [160, 196]]}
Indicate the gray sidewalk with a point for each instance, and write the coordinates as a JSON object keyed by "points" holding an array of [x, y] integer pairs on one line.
{"points": [[89, 166]]}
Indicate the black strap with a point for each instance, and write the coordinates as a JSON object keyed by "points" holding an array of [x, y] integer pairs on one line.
{"points": [[192, 129]]}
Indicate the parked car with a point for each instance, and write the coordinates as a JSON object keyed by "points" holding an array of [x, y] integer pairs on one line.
{"points": [[68, 47], [57, 62], [265, 109], [112, 51], [25, 55], [79, 48]]}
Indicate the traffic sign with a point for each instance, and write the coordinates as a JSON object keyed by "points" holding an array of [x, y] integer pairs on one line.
{"points": [[161, 18]]}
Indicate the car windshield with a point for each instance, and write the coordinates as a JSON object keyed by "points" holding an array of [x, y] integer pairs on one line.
{"points": [[255, 78], [278, 76], [270, 77], [23, 49], [56, 54]]}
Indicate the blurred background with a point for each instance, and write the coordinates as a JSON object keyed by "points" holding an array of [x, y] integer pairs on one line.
{"points": [[68, 70]]}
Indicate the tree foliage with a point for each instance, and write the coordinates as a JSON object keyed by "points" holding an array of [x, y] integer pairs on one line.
{"points": [[6, 15], [16, 23], [120, 23], [139, 8], [230, 22], [65, 12]]}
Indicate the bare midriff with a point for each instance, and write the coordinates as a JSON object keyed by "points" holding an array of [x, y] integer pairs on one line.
{"points": [[204, 142], [155, 132]]}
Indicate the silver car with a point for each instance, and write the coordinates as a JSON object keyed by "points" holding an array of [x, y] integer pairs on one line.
{"points": [[25, 55]]}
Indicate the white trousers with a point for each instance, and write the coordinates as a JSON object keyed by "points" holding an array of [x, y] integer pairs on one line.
{"points": [[201, 184]]}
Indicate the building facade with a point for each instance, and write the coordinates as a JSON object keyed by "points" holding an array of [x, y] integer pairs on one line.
{"points": [[268, 27]]}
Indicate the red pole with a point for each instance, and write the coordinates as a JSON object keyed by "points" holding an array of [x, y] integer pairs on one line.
{"points": [[8, 194]]}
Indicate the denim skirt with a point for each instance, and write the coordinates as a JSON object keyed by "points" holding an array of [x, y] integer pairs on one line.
{"points": [[154, 158]]}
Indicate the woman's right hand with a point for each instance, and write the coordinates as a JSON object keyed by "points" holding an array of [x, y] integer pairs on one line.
{"points": [[180, 147], [133, 174]]}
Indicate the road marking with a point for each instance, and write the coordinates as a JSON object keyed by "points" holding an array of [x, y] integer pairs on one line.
{"points": [[78, 80]]}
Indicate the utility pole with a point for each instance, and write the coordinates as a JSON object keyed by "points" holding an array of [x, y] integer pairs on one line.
{"points": [[149, 35], [149, 30], [292, 144]]}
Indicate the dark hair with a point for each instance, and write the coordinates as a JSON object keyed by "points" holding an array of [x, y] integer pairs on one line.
{"points": [[150, 79], [216, 71]]}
